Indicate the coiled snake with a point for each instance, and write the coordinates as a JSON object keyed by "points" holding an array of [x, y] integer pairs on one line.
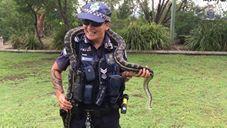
{"points": [[118, 56]]}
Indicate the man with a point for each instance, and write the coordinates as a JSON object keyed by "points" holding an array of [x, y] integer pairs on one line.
{"points": [[96, 90]]}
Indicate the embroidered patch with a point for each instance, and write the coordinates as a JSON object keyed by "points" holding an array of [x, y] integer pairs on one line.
{"points": [[86, 58], [64, 52], [94, 7], [76, 39], [108, 45], [86, 49], [103, 71], [85, 40], [89, 48], [84, 54], [110, 58]]}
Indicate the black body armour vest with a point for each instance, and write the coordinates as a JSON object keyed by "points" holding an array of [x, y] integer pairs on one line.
{"points": [[95, 77]]}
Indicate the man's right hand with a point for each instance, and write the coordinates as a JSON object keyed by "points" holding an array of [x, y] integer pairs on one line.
{"points": [[63, 102], [56, 79]]}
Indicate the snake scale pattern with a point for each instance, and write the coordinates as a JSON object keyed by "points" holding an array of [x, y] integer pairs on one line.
{"points": [[118, 56]]}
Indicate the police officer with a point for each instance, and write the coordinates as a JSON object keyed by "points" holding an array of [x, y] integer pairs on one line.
{"points": [[96, 82]]}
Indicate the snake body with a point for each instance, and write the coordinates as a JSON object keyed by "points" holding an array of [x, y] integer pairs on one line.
{"points": [[118, 57]]}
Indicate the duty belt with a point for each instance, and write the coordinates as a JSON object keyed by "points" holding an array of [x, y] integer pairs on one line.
{"points": [[79, 112]]}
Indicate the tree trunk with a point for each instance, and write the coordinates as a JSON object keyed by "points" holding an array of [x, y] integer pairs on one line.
{"points": [[37, 31], [36, 26], [161, 15], [163, 10], [145, 9], [63, 13], [40, 24]]}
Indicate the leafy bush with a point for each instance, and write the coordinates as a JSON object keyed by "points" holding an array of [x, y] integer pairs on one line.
{"points": [[27, 41], [185, 22], [17, 41], [208, 36], [31, 42], [147, 37]]}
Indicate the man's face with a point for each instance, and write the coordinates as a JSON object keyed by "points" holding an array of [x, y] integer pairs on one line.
{"points": [[95, 31]]}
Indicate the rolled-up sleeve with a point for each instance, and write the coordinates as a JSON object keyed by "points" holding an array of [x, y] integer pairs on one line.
{"points": [[63, 61]]}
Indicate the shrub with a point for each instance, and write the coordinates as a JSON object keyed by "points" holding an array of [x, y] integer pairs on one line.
{"points": [[185, 22], [31, 42], [208, 36], [147, 37], [182, 22], [27, 41], [17, 41]]}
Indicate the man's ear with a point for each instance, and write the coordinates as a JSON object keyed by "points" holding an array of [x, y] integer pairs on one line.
{"points": [[107, 25]]}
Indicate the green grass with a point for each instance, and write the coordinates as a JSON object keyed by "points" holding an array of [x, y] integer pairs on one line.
{"points": [[188, 91]]}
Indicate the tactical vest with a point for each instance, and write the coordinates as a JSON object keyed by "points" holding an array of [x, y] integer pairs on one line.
{"points": [[93, 80]]}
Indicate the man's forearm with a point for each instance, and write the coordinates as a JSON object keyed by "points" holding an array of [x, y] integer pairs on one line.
{"points": [[57, 81]]}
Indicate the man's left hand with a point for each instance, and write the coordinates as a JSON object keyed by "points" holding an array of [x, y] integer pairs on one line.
{"points": [[142, 73]]}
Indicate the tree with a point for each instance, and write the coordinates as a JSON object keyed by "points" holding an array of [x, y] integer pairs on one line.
{"points": [[126, 9], [8, 16], [110, 3], [65, 12], [162, 13], [185, 22], [65, 8], [39, 9], [36, 9]]}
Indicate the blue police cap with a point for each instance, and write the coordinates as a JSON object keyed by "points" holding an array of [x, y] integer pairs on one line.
{"points": [[95, 11]]}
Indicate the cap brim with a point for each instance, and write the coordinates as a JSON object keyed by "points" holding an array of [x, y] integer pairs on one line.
{"points": [[88, 16]]}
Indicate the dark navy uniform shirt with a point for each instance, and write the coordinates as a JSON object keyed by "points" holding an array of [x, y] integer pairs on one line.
{"points": [[101, 60]]}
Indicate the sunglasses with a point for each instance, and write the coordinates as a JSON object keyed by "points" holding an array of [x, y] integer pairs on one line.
{"points": [[92, 23]]}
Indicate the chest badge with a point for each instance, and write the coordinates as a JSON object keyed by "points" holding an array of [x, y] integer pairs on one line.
{"points": [[103, 71], [88, 49]]}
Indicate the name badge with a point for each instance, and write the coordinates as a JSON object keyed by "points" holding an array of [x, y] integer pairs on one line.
{"points": [[83, 58]]}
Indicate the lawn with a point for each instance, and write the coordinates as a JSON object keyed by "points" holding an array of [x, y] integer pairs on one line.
{"points": [[188, 91]]}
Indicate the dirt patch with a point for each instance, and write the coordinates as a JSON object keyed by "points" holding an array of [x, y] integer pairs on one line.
{"points": [[178, 47], [33, 63], [48, 94], [26, 63], [137, 95], [13, 78], [49, 58]]}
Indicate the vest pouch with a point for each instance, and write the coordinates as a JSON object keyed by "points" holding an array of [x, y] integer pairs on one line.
{"points": [[89, 73], [88, 94], [77, 92], [116, 82], [78, 87]]}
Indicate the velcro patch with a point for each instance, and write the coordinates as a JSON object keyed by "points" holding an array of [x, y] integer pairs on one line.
{"points": [[86, 58]]}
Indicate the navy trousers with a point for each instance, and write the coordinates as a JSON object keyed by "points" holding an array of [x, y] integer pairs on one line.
{"points": [[99, 118], [108, 121]]}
